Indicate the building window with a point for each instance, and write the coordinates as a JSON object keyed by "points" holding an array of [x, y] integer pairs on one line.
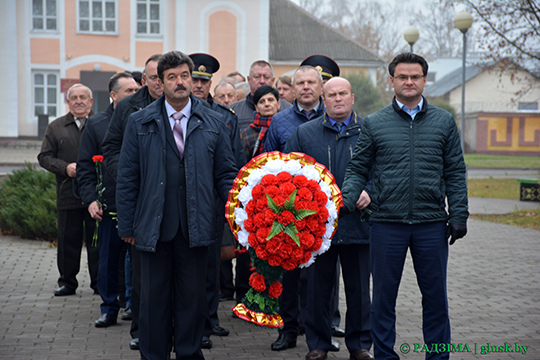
{"points": [[148, 16], [45, 93], [97, 16], [528, 106], [44, 15]]}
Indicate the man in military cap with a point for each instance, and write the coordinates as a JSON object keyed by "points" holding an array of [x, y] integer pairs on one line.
{"points": [[205, 66], [308, 105], [326, 66]]}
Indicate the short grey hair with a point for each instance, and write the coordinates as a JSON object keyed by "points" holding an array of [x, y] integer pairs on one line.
{"points": [[223, 83], [243, 86], [78, 85], [306, 68], [261, 63]]}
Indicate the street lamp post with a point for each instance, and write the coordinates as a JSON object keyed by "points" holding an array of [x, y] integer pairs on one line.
{"points": [[463, 21], [411, 35]]}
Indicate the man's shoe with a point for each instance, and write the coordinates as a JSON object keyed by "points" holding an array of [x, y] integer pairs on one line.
{"points": [[301, 331], [219, 331], [226, 297], [96, 291], [361, 354], [284, 342], [64, 291], [134, 344], [206, 343], [335, 345], [337, 332], [105, 320], [316, 355], [127, 315]]}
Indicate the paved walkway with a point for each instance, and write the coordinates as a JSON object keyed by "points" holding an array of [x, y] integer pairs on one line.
{"points": [[493, 286], [493, 290]]}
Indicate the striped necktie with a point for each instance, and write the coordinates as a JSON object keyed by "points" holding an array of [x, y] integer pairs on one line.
{"points": [[178, 133]]}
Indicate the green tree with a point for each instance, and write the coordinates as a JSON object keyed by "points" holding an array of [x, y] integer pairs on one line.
{"points": [[367, 98]]}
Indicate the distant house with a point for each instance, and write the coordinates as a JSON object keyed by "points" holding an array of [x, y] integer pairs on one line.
{"points": [[501, 107], [489, 88], [48, 45]]}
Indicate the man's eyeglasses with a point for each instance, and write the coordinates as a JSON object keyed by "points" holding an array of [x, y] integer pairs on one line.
{"points": [[404, 78]]}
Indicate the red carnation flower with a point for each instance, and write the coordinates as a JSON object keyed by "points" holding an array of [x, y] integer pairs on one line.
{"points": [[269, 180], [286, 189], [321, 198], [251, 207], [316, 246], [307, 240], [300, 224], [280, 200], [258, 192], [275, 289], [273, 246], [285, 218], [323, 214], [300, 180], [289, 265], [304, 194], [252, 240], [312, 222], [256, 281], [313, 186], [307, 256], [261, 253], [262, 204], [283, 177], [259, 219], [250, 225], [298, 254], [274, 261], [272, 190], [97, 158], [262, 234], [270, 216], [319, 230]]}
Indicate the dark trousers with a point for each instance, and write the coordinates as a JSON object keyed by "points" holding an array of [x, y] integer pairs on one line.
{"points": [[135, 291], [74, 226], [212, 287], [293, 302], [320, 308], [110, 249], [429, 251], [172, 291], [242, 275], [226, 284]]}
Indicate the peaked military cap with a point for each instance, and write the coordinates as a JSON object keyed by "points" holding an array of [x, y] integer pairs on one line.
{"points": [[326, 66], [204, 66]]}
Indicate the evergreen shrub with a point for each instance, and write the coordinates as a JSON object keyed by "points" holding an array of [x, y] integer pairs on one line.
{"points": [[28, 204]]}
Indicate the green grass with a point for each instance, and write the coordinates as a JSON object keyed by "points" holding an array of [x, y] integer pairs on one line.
{"points": [[529, 219], [494, 188], [500, 161]]}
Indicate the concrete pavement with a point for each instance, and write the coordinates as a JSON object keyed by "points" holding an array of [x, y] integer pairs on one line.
{"points": [[493, 289]]}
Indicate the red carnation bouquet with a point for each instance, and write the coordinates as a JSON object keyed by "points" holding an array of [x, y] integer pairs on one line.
{"points": [[283, 209]]}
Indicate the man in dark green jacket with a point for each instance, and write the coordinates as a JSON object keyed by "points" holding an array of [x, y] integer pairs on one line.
{"points": [[414, 153]]}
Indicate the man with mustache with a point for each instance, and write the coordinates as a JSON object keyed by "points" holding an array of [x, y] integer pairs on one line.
{"points": [[176, 156]]}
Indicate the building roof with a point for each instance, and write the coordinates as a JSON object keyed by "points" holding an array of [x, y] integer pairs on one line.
{"points": [[295, 34], [451, 81]]}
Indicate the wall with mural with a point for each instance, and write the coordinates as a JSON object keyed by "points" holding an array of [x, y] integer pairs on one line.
{"points": [[508, 134]]}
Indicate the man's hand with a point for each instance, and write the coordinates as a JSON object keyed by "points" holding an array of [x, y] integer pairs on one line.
{"points": [[129, 240], [363, 201], [455, 231], [71, 169], [95, 211]]}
